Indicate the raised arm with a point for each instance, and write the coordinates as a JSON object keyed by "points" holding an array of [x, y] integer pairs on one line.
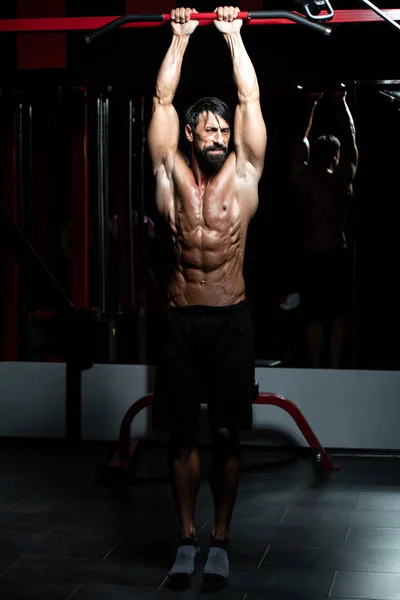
{"points": [[301, 152], [250, 135], [348, 152], [163, 132]]}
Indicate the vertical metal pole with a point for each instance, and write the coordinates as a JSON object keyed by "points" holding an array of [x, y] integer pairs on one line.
{"points": [[79, 188], [100, 192], [23, 325], [112, 327], [131, 295], [21, 166], [355, 229], [9, 289], [106, 209], [80, 198], [103, 111], [31, 221], [143, 253], [121, 159]]}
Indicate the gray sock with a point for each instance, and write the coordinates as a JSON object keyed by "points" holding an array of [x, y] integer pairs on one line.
{"points": [[217, 565], [184, 561]]}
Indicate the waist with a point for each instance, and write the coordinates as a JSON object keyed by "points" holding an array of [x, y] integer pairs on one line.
{"points": [[205, 309], [226, 288]]}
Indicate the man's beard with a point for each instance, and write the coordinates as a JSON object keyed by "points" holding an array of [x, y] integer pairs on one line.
{"points": [[209, 162]]}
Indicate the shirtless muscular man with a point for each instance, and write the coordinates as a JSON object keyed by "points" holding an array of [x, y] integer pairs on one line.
{"points": [[207, 352]]}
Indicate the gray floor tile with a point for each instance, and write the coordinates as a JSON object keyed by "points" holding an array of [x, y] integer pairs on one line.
{"points": [[378, 586]]}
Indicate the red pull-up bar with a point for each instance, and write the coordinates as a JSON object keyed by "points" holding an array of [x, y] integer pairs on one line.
{"points": [[207, 19]]}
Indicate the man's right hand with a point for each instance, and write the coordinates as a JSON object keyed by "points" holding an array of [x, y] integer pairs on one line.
{"points": [[315, 97], [180, 21]]}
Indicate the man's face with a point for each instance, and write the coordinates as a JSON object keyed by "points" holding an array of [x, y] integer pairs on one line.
{"points": [[328, 161], [210, 142], [336, 159]]}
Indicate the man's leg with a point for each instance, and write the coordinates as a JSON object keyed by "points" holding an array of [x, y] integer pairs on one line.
{"points": [[337, 341], [313, 297], [185, 479], [176, 407], [224, 481], [315, 343], [341, 305], [229, 410]]}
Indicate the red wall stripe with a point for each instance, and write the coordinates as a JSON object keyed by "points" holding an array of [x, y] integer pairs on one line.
{"points": [[36, 51], [31, 9], [252, 5], [138, 7]]}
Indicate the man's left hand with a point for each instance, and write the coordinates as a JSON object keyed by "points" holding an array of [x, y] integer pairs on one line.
{"points": [[338, 95], [226, 20]]}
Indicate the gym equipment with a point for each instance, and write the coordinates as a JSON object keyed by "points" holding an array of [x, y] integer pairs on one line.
{"points": [[321, 10], [317, 10], [120, 467], [381, 14], [256, 17]]}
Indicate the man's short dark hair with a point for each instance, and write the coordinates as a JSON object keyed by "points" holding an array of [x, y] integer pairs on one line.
{"points": [[207, 105], [324, 147]]}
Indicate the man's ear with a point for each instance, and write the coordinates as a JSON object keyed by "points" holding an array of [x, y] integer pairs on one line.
{"points": [[188, 133]]}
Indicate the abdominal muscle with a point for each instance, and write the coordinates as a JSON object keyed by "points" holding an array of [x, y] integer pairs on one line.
{"points": [[208, 268]]}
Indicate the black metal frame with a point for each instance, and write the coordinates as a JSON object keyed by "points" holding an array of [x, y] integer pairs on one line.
{"points": [[78, 323]]}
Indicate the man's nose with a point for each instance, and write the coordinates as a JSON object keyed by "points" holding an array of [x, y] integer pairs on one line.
{"points": [[218, 138]]}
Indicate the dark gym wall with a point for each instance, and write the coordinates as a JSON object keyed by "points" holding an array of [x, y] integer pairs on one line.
{"points": [[284, 57]]}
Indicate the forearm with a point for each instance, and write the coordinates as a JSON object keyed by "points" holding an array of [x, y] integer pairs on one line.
{"points": [[349, 150], [347, 123], [243, 71], [301, 150], [170, 71], [307, 120]]}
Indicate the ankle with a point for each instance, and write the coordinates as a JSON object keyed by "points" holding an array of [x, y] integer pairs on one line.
{"points": [[188, 532], [219, 535]]}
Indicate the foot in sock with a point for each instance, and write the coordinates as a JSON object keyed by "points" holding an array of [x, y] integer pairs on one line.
{"points": [[183, 566], [217, 565]]}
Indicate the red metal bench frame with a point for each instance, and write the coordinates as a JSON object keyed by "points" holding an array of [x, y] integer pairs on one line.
{"points": [[128, 445]]}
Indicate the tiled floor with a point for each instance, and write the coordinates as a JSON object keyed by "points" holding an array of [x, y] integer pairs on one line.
{"points": [[294, 535]]}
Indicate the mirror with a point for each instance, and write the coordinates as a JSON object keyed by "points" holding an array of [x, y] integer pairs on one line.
{"points": [[321, 252]]}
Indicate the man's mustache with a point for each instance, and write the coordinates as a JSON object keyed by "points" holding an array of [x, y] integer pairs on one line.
{"points": [[223, 148]]}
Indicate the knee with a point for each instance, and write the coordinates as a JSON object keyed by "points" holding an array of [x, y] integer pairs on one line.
{"points": [[224, 433], [226, 445], [181, 447]]}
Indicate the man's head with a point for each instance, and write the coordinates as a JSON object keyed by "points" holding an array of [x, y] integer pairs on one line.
{"points": [[208, 129], [325, 152]]}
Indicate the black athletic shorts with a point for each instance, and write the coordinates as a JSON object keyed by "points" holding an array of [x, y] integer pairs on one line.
{"points": [[206, 356], [326, 288]]}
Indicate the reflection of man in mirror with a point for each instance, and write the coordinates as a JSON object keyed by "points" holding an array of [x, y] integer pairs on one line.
{"points": [[324, 174]]}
